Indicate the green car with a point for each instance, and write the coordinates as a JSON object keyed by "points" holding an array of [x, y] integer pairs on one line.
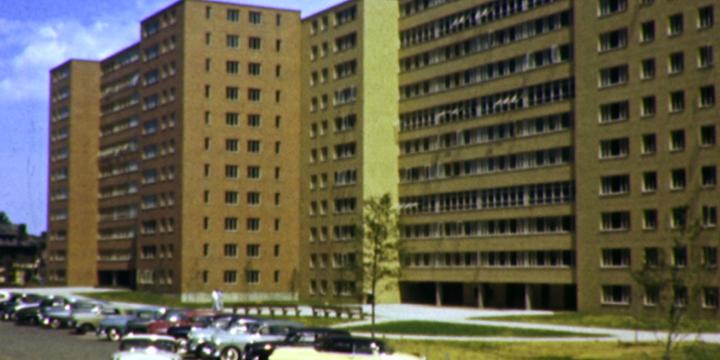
{"points": [[88, 321]]}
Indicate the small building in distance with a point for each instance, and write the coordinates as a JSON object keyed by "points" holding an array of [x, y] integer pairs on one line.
{"points": [[20, 255]]}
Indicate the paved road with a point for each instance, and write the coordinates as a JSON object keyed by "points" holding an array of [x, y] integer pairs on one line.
{"points": [[33, 343]]}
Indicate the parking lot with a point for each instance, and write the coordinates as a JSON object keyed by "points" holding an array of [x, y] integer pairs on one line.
{"points": [[33, 342]]}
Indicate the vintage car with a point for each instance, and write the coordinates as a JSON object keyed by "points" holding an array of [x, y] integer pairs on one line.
{"points": [[115, 326], [89, 321], [176, 318], [147, 347], [141, 325], [296, 337], [17, 302], [198, 337], [230, 343], [33, 315], [61, 317], [342, 348]]}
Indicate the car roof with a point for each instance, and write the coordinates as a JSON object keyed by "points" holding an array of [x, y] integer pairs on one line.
{"points": [[151, 337]]}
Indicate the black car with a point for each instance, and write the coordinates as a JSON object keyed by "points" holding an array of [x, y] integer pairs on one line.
{"points": [[296, 337], [19, 301], [32, 315], [140, 325]]}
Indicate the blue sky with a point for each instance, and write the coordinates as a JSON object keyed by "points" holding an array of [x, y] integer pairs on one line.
{"points": [[36, 35]]}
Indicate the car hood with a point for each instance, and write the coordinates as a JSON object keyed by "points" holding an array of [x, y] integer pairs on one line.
{"points": [[145, 355]]}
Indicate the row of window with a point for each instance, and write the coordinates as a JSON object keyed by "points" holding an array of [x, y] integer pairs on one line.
{"points": [[154, 201], [154, 25], [155, 277], [620, 147], [341, 71], [487, 41], [233, 172], [342, 124], [488, 165], [118, 213], [341, 152], [152, 176], [492, 259], [341, 97], [232, 197], [677, 219], [339, 232], [341, 44], [113, 191], [675, 24], [116, 234], [152, 52], [341, 16], [120, 126], [339, 260], [494, 198], [487, 105], [342, 206], [621, 295], [489, 228], [231, 250], [157, 226], [120, 61], [252, 277], [340, 287], [149, 252], [467, 19], [654, 257], [620, 74], [118, 169]]}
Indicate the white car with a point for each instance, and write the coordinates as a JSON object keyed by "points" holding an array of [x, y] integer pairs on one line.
{"points": [[342, 348], [147, 347]]}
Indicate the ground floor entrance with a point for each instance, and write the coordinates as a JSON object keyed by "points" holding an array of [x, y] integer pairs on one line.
{"points": [[491, 295]]}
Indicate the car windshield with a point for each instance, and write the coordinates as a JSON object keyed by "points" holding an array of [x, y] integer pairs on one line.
{"points": [[143, 344], [221, 323]]}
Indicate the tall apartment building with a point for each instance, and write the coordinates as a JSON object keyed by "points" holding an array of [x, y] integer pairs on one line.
{"points": [[192, 183], [646, 154], [72, 186], [349, 151]]}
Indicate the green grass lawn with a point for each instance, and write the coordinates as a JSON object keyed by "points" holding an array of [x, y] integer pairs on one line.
{"points": [[450, 329], [436, 350], [609, 321]]}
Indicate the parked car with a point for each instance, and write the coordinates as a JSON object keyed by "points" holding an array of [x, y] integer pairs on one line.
{"points": [[5, 296], [147, 347], [61, 317], [303, 337], [229, 344], [33, 315], [175, 318], [342, 348], [198, 337], [20, 301], [85, 322], [115, 327]]}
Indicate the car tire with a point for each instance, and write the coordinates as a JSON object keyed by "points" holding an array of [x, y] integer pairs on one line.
{"points": [[113, 334], [231, 353], [85, 328]]}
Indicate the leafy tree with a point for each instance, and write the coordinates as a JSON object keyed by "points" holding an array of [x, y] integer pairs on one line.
{"points": [[380, 258], [4, 219]]}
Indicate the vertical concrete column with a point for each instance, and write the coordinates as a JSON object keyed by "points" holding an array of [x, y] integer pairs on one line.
{"points": [[438, 294], [114, 278], [480, 301], [528, 297]]}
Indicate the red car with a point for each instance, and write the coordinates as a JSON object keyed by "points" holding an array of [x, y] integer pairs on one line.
{"points": [[176, 318]]}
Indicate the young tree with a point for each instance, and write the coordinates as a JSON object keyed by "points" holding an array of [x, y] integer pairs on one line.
{"points": [[4, 219], [380, 258], [672, 284]]}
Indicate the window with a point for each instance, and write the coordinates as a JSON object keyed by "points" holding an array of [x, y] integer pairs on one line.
{"points": [[231, 197], [678, 217], [252, 277], [677, 179], [707, 96], [615, 295], [647, 69], [615, 258], [231, 119], [231, 145], [613, 40], [652, 296], [706, 17], [278, 19], [231, 171], [231, 92], [649, 182], [710, 256], [608, 7], [253, 172], [253, 224], [676, 63], [709, 216], [677, 140], [612, 112], [653, 257], [208, 38], [710, 298], [254, 69], [649, 144], [615, 221], [647, 106], [232, 67], [679, 256], [708, 176], [232, 41], [254, 120], [253, 146], [677, 101], [680, 296], [230, 276], [253, 198], [231, 224], [254, 94], [255, 43], [255, 17], [230, 250], [278, 46], [614, 148], [615, 185], [253, 250], [613, 76], [705, 57], [650, 219], [647, 31], [233, 15], [675, 24]]}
